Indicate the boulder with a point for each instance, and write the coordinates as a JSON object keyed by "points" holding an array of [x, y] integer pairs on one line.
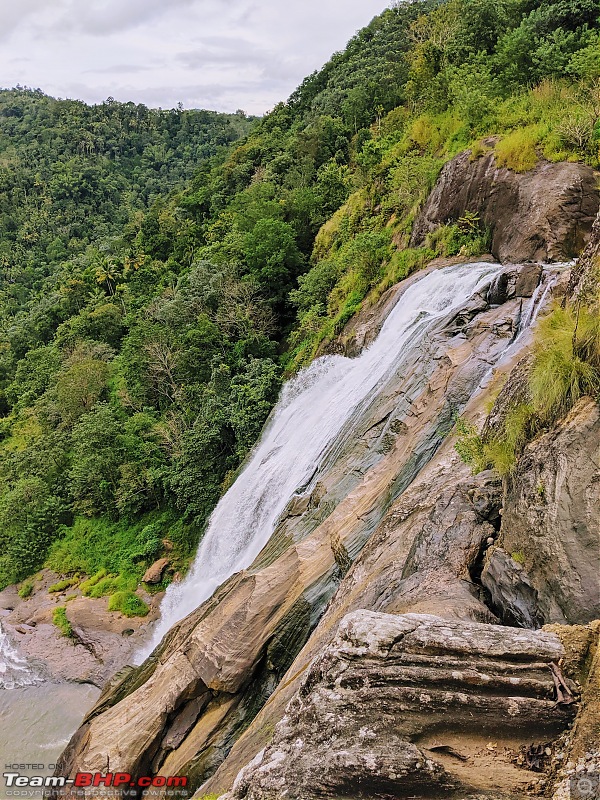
{"points": [[511, 591], [528, 280], [397, 706], [545, 214], [155, 572]]}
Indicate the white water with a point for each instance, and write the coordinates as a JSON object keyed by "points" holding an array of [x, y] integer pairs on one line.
{"points": [[38, 718], [312, 410], [14, 670]]}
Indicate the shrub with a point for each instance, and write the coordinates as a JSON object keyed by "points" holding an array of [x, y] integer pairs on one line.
{"points": [[517, 151], [26, 589], [59, 618], [64, 584], [469, 445], [566, 362], [128, 604]]}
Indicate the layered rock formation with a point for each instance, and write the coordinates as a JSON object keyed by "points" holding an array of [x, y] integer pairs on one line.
{"points": [[404, 706], [546, 567], [227, 657], [395, 524], [542, 215]]}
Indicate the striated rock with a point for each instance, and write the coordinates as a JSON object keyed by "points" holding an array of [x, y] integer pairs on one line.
{"points": [[238, 645], [585, 277], [542, 215], [551, 519], [423, 557], [396, 705], [155, 572], [486, 496], [528, 279], [511, 590]]}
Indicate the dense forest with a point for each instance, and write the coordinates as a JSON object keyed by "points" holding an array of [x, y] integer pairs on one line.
{"points": [[162, 271]]}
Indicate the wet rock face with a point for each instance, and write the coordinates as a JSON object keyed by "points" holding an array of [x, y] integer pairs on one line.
{"points": [[396, 705], [551, 525], [542, 215], [511, 590], [232, 652], [585, 277]]}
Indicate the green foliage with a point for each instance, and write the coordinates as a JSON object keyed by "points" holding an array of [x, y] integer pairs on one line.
{"points": [[159, 270], [517, 151], [110, 585], [87, 585], [566, 361], [59, 618], [469, 445], [60, 586], [26, 589], [103, 548], [128, 604]]}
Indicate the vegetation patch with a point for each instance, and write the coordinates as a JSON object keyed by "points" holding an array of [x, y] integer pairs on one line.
{"points": [[59, 618], [60, 586], [128, 604], [26, 589], [565, 367]]}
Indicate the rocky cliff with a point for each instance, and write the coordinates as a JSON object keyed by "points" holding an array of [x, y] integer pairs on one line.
{"points": [[386, 642], [545, 214]]}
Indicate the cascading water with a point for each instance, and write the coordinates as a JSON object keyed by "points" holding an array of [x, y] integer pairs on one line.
{"points": [[14, 670], [312, 410], [38, 718]]}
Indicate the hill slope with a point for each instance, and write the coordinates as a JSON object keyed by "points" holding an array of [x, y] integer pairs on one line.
{"points": [[142, 350]]}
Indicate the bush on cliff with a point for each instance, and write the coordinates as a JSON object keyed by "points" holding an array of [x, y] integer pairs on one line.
{"points": [[564, 368]]}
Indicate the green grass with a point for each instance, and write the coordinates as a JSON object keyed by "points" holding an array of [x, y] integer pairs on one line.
{"points": [[59, 618], [128, 604], [518, 150], [565, 367], [88, 584], [64, 584], [26, 589], [566, 361]]}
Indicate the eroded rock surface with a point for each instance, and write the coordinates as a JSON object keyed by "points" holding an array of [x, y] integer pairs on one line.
{"points": [[235, 649], [549, 564], [542, 215], [102, 642], [396, 706]]}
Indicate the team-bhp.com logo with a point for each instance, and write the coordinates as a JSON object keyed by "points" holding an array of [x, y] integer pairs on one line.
{"points": [[585, 786], [14, 781]]}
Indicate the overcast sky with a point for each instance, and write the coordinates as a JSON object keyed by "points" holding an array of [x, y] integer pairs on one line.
{"points": [[218, 54]]}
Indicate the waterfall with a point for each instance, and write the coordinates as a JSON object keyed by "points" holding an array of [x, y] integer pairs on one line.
{"points": [[312, 411], [14, 671]]}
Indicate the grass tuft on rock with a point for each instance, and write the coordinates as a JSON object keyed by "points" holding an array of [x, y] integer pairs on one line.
{"points": [[59, 618], [128, 604]]}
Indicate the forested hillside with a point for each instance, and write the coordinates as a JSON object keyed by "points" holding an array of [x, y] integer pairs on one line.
{"points": [[146, 325]]}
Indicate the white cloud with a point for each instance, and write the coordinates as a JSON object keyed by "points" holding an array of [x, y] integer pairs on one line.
{"points": [[222, 54]]}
